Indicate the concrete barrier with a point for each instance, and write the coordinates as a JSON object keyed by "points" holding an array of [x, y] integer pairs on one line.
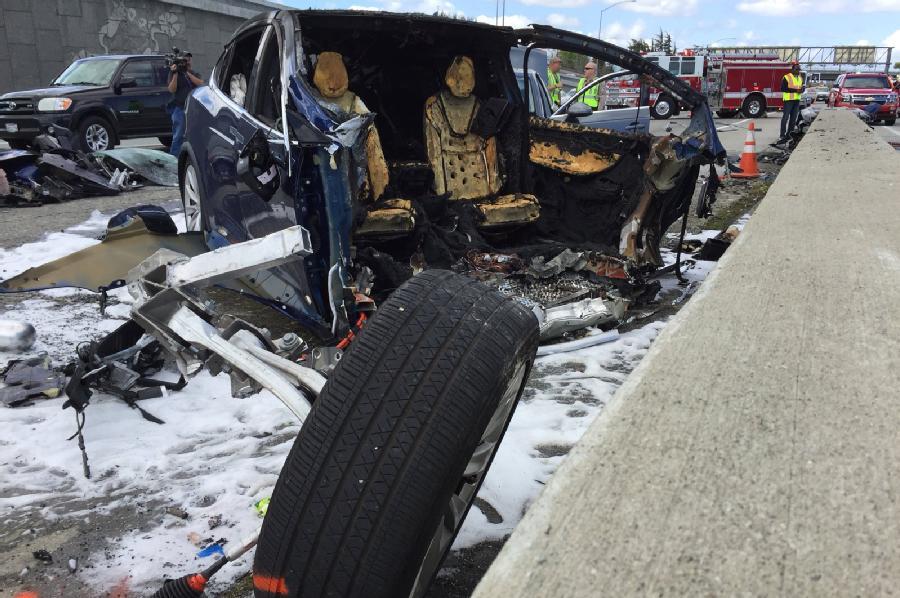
{"points": [[756, 449]]}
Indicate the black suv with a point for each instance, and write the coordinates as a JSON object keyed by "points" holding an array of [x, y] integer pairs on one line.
{"points": [[101, 99]]}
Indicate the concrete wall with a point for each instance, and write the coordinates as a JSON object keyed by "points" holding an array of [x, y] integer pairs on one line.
{"points": [[39, 38]]}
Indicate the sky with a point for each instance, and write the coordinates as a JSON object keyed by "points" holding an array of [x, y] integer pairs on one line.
{"points": [[690, 22]]}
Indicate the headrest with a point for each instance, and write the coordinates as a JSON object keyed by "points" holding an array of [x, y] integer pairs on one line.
{"points": [[460, 77], [330, 76]]}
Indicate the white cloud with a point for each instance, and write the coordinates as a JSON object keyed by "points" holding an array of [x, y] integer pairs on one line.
{"points": [[558, 3], [562, 21], [444, 7], [862, 42], [661, 8], [893, 40], [619, 34], [375, 8], [790, 8], [514, 21]]}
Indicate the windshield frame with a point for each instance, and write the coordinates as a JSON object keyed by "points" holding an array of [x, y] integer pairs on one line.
{"points": [[79, 79], [851, 82]]}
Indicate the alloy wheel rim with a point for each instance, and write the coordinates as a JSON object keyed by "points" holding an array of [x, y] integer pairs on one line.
{"points": [[97, 137], [192, 208], [663, 108], [466, 491]]}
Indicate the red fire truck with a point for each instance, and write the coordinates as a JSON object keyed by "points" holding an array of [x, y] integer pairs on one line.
{"points": [[745, 83], [624, 92], [749, 83]]}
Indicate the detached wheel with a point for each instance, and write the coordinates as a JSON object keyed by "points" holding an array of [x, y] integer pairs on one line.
{"points": [[663, 108], [385, 468], [192, 198], [95, 134], [754, 106]]}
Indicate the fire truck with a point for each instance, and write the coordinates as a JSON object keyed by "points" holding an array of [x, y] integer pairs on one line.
{"points": [[748, 83], [745, 83], [625, 91]]}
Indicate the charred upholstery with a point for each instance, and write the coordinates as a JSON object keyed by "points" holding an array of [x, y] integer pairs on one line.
{"points": [[394, 216], [465, 164]]}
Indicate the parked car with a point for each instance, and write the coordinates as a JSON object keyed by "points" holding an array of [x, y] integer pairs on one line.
{"points": [[401, 143], [626, 120], [857, 90], [103, 99], [821, 94]]}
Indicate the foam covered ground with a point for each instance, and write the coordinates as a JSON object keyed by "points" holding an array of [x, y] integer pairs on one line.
{"points": [[216, 455]]}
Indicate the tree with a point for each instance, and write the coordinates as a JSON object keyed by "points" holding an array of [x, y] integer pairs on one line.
{"points": [[662, 42], [639, 45]]}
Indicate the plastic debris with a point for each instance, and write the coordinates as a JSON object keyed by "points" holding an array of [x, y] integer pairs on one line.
{"points": [[262, 506]]}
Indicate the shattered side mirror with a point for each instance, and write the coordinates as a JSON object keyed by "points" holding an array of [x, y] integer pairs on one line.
{"points": [[578, 110], [256, 166]]}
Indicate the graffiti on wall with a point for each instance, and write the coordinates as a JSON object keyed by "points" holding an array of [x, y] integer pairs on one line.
{"points": [[147, 29]]}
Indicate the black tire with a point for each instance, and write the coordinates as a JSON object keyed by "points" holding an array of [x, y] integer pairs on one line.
{"points": [[92, 131], [890, 121], [166, 141], [725, 113], [371, 476], [18, 144], [664, 107], [754, 106]]}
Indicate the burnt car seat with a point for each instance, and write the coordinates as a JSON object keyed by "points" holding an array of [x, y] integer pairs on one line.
{"points": [[465, 164], [384, 217]]}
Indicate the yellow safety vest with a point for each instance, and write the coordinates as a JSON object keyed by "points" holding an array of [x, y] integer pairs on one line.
{"points": [[591, 96], [792, 82], [553, 79]]}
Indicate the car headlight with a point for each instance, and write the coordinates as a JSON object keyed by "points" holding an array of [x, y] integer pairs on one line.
{"points": [[54, 104]]}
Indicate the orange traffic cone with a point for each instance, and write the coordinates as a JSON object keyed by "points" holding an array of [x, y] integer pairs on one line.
{"points": [[748, 162]]}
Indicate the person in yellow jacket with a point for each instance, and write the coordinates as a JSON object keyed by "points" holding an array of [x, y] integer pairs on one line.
{"points": [[554, 84], [791, 89], [592, 96]]}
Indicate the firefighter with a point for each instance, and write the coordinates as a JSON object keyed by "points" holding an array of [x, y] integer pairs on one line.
{"points": [[554, 85], [791, 89], [592, 96]]}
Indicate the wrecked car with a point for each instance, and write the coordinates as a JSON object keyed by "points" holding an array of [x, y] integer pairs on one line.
{"points": [[379, 179], [401, 143]]}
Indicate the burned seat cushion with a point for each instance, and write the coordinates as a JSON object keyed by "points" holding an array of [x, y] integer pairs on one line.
{"points": [[390, 218], [465, 165], [515, 208]]}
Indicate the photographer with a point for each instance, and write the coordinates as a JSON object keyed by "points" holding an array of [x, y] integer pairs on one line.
{"points": [[182, 80]]}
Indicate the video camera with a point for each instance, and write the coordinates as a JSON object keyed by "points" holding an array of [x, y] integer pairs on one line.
{"points": [[178, 58]]}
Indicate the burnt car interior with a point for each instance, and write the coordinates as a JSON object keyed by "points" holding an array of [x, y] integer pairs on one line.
{"points": [[556, 183]]}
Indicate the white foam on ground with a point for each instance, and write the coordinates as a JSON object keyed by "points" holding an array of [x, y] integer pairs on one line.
{"points": [[217, 455]]}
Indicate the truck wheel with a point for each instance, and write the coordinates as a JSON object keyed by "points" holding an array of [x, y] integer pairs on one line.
{"points": [[663, 107], [754, 106], [95, 134], [192, 198], [725, 113], [388, 462], [890, 121]]}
